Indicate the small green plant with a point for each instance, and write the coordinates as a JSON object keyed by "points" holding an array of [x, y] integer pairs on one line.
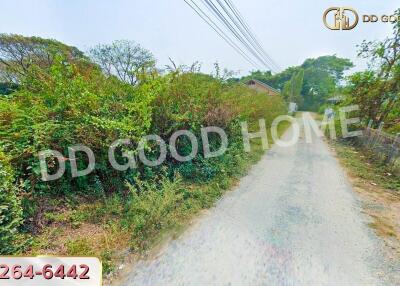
{"points": [[79, 247], [107, 262], [151, 208]]}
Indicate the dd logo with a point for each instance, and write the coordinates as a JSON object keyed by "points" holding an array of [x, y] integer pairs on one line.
{"points": [[338, 18]]}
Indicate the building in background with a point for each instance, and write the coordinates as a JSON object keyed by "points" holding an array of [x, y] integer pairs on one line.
{"points": [[262, 87]]}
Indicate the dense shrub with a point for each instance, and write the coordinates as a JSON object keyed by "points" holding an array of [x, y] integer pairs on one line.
{"points": [[193, 100], [64, 107], [10, 209], [376, 90], [73, 102]]}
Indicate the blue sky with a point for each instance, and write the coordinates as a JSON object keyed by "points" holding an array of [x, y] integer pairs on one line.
{"points": [[289, 30]]}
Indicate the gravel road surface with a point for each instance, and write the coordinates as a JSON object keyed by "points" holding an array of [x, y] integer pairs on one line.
{"points": [[293, 220]]}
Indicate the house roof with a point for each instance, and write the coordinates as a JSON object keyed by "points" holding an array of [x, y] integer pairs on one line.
{"points": [[263, 84]]}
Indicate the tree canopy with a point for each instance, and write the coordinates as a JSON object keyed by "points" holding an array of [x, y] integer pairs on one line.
{"points": [[19, 53], [292, 88], [320, 78], [377, 90], [123, 59]]}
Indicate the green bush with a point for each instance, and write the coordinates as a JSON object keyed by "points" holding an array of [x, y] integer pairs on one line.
{"points": [[10, 210], [71, 102], [65, 107], [193, 100]]}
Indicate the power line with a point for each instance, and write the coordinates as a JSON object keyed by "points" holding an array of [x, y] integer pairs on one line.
{"points": [[247, 28], [244, 24], [212, 8], [233, 23], [220, 32], [245, 33]]}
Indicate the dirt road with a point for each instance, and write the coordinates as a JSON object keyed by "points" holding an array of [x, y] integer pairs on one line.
{"points": [[293, 220]]}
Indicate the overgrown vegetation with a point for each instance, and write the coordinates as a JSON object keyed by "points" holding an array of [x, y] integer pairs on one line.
{"points": [[61, 97], [309, 85], [10, 209], [377, 90], [292, 89]]}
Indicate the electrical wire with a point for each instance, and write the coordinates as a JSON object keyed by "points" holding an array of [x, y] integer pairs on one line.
{"points": [[212, 8], [219, 31]]}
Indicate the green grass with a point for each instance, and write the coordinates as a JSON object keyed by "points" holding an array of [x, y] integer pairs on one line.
{"points": [[364, 165]]}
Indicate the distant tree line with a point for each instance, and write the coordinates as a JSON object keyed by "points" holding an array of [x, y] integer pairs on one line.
{"points": [[310, 84]]}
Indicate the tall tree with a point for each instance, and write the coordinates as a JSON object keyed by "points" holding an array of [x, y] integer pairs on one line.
{"points": [[292, 88], [123, 59], [318, 86], [377, 90], [332, 65], [19, 53]]}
